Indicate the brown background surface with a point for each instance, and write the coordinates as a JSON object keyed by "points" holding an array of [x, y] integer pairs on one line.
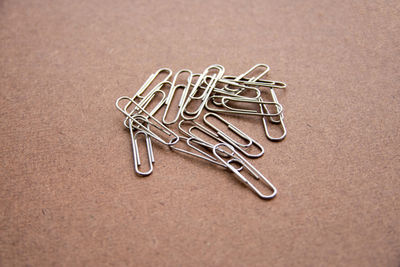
{"points": [[69, 195]]}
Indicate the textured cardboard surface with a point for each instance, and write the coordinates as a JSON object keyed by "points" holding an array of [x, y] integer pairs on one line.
{"points": [[69, 196]]}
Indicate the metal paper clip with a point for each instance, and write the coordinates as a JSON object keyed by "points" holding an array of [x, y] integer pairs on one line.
{"points": [[280, 121], [171, 94], [238, 93], [139, 120], [267, 68], [250, 141], [203, 154], [146, 85], [148, 99], [197, 126], [252, 82], [251, 100], [253, 69], [274, 99], [229, 109], [191, 115], [255, 173], [207, 79], [135, 150]]}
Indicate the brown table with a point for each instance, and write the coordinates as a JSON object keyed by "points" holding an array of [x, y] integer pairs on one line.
{"points": [[70, 197]]}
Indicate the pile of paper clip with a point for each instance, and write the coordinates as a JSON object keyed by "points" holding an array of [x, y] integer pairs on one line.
{"points": [[214, 92]]}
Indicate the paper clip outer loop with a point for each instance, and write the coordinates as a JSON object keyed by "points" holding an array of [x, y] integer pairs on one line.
{"points": [[140, 126], [250, 168], [231, 141], [146, 85], [204, 130], [251, 82], [280, 121], [243, 75], [171, 94], [260, 65], [148, 99], [230, 126], [202, 155], [135, 150], [199, 127], [191, 115], [242, 111]]}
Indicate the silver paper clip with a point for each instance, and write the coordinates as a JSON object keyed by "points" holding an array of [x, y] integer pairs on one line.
{"points": [[230, 109], [135, 150], [279, 121], [149, 98], [252, 69], [174, 87], [191, 115], [190, 142], [252, 82], [250, 141], [146, 85], [197, 126], [255, 173], [140, 126]]}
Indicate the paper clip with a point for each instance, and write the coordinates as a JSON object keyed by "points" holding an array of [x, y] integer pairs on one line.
{"points": [[274, 99], [250, 141], [255, 67], [191, 115], [252, 69], [251, 100], [152, 77], [280, 121], [140, 119], [251, 82], [229, 109], [171, 94], [255, 173], [135, 150], [238, 93], [197, 126], [203, 154], [148, 99]]}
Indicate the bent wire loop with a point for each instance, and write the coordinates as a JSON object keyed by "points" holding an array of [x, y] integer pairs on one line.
{"points": [[246, 165], [255, 67], [230, 109], [203, 154], [225, 101], [252, 69], [253, 81], [135, 150], [191, 115], [250, 82], [152, 77], [197, 126], [238, 93], [149, 98], [174, 87], [279, 121], [239, 146], [140, 120]]}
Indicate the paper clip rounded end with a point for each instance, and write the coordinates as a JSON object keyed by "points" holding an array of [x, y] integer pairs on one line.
{"points": [[267, 197]]}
